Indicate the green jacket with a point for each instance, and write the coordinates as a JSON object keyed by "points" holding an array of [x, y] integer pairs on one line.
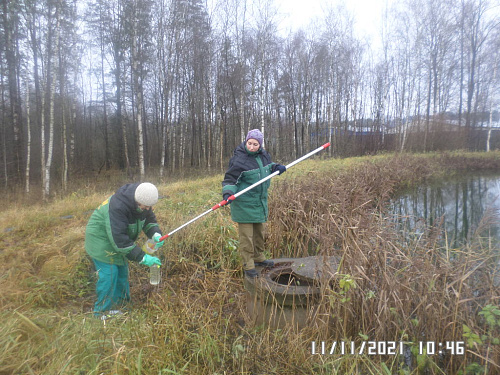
{"points": [[246, 168], [114, 227]]}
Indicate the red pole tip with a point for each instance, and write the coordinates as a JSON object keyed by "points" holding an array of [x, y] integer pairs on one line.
{"points": [[326, 145], [220, 204], [164, 237]]}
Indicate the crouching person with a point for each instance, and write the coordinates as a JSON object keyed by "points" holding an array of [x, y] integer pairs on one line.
{"points": [[110, 239]]}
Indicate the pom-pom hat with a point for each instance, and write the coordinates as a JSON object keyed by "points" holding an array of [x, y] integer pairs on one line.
{"points": [[255, 134], [146, 194]]}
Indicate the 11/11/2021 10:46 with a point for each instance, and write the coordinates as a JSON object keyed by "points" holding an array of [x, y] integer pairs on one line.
{"points": [[433, 347], [386, 347]]}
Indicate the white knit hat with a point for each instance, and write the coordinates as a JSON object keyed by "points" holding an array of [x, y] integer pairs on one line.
{"points": [[146, 194]]}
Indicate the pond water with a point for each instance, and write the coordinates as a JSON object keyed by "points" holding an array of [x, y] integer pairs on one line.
{"points": [[459, 207]]}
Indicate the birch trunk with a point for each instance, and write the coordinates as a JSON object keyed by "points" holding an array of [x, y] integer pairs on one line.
{"points": [[208, 142], [62, 95], [139, 102], [164, 138], [404, 136], [42, 136], [48, 164], [28, 145], [51, 75], [166, 121], [165, 96], [125, 143], [331, 125], [183, 143], [72, 133], [174, 129], [262, 104], [173, 148], [39, 101], [104, 107], [3, 128], [219, 118], [491, 109], [242, 73], [140, 132], [242, 112], [4, 152], [119, 116], [65, 149]]}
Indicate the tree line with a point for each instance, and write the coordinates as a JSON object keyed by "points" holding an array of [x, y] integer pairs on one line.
{"points": [[154, 86]]}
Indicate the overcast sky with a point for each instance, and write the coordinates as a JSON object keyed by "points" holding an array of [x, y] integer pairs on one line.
{"points": [[367, 13]]}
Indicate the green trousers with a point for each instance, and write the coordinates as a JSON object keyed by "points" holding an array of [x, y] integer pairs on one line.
{"points": [[251, 244]]}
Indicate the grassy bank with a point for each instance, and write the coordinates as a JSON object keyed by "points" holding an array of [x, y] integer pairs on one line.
{"points": [[387, 288]]}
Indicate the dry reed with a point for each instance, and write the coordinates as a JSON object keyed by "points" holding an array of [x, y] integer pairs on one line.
{"points": [[403, 290]]}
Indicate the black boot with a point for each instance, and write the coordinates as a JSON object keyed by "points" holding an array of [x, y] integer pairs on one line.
{"points": [[252, 274], [265, 263]]}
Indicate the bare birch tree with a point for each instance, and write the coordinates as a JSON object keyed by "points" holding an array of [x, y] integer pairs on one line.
{"points": [[54, 32], [28, 140]]}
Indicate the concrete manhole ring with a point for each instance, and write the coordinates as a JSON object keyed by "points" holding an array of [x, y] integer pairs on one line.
{"points": [[289, 282]]}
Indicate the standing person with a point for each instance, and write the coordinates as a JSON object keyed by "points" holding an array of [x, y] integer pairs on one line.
{"points": [[249, 164], [110, 239]]}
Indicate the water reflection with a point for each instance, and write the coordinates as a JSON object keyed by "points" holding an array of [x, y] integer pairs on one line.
{"points": [[457, 206]]}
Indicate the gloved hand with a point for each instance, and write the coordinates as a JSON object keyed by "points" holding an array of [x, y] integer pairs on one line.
{"points": [[156, 238], [149, 260], [280, 168], [226, 197]]}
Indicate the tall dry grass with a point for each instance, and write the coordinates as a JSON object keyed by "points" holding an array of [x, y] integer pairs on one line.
{"points": [[386, 288], [402, 289]]}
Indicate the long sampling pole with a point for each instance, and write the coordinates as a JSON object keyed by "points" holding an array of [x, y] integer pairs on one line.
{"points": [[233, 197]]}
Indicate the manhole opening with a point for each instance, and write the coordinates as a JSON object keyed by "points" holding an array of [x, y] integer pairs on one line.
{"points": [[289, 278]]}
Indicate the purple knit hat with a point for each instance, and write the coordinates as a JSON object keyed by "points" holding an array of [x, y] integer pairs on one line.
{"points": [[255, 134]]}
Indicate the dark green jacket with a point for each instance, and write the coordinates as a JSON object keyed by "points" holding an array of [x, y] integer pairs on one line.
{"points": [[245, 169], [115, 225]]}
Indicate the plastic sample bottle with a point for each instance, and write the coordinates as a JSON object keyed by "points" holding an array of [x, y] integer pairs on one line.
{"points": [[154, 270], [154, 274], [149, 247]]}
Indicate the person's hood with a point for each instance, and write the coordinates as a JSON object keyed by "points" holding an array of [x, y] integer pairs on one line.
{"points": [[126, 195]]}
